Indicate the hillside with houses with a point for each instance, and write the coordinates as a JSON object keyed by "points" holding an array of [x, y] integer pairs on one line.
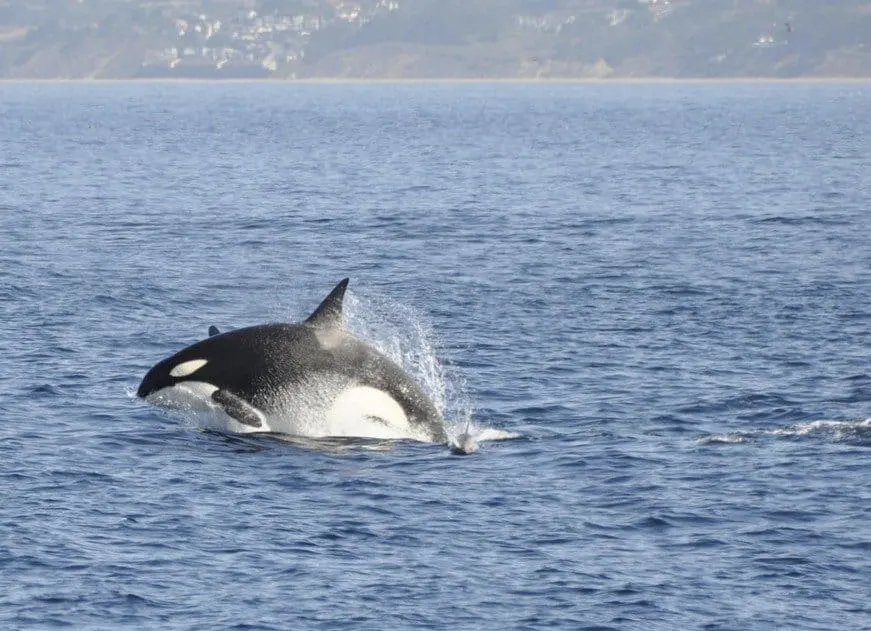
{"points": [[408, 39]]}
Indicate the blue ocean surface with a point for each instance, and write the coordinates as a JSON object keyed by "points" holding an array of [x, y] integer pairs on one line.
{"points": [[663, 290]]}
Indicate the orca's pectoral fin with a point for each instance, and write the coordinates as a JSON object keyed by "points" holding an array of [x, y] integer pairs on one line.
{"points": [[213, 330], [329, 312], [238, 408]]}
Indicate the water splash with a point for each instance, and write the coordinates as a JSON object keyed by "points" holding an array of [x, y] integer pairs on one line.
{"points": [[404, 335]]}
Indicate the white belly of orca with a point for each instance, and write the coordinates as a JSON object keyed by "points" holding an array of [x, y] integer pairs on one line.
{"points": [[368, 410], [356, 411]]}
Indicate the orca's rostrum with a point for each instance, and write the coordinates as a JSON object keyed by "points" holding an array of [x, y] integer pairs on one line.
{"points": [[312, 378]]}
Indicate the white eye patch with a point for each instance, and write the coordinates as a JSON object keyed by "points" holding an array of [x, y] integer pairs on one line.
{"points": [[188, 368]]}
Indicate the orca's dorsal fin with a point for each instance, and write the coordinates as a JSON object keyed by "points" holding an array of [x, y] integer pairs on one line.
{"points": [[329, 312], [213, 330]]}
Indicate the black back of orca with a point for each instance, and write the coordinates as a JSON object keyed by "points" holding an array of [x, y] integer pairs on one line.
{"points": [[256, 361]]}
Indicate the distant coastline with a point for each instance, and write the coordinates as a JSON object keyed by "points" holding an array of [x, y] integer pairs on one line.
{"points": [[448, 80], [394, 40]]}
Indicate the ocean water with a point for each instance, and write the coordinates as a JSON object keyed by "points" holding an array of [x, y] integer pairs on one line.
{"points": [[663, 290]]}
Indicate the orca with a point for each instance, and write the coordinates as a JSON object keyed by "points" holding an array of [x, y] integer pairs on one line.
{"points": [[312, 378]]}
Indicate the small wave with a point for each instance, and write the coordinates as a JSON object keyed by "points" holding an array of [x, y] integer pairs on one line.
{"points": [[417, 188], [736, 437], [836, 430], [803, 220]]}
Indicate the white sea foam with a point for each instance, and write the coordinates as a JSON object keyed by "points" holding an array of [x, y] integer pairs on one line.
{"points": [[724, 438], [837, 430], [466, 438]]}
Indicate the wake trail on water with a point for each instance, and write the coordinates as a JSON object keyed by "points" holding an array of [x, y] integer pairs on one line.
{"points": [[834, 430]]}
